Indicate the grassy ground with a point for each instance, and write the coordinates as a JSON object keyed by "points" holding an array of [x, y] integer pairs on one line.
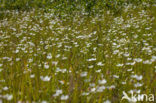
{"points": [[49, 58]]}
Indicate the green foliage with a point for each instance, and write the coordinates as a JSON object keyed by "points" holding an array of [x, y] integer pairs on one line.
{"points": [[70, 5]]}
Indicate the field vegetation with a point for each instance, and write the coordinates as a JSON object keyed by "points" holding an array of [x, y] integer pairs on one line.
{"points": [[76, 51]]}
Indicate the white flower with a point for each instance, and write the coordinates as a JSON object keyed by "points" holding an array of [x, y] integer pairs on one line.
{"points": [[30, 60], [137, 77], [84, 93], [32, 75], [61, 81], [93, 89], [46, 66], [94, 32], [116, 76], [64, 58], [54, 63], [63, 70], [101, 88], [138, 60], [126, 54], [16, 51], [91, 66], [111, 87], [17, 59], [107, 101], [1, 65], [100, 64], [49, 56], [58, 69], [102, 81], [129, 58], [8, 97], [128, 25], [132, 63], [46, 78], [92, 59], [64, 97], [138, 85], [98, 71], [123, 82], [58, 92], [5, 88], [83, 74], [58, 55], [44, 102], [153, 58], [147, 62], [116, 51], [119, 65], [92, 84]]}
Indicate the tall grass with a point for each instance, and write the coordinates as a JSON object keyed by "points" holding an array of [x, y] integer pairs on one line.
{"points": [[76, 51], [70, 5]]}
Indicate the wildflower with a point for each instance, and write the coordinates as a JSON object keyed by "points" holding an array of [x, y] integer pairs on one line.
{"points": [[58, 55], [107, 101], [100, 89], [16, 51], [138, 60], [83, 74], [46, 78], [62, 82], [64, 58], [92, 59], [30, 60], [98, 71], [84, 93], [58, 92], [5, 88], [91, 66], [147, 62], [116, 76], [153, 58], [137, 77], [49, 56], [138, 85], [111, 87], [8, 97], [1, 65], [64, 97], [92, 84], [54, 63], [93, 89], [32, 75], [126, 54], [44, 102], [46, 66], [17, 59], [100, 64], [102, 81], [119, 65]]}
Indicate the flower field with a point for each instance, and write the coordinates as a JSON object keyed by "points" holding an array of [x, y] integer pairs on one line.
{"points": [[47, 57]]}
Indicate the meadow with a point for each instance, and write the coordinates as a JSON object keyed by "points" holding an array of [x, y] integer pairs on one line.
{"points": [[89, 52]]}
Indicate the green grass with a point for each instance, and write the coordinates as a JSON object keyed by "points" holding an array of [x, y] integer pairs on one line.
{"points": [[68, 6], [43, 52]]}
